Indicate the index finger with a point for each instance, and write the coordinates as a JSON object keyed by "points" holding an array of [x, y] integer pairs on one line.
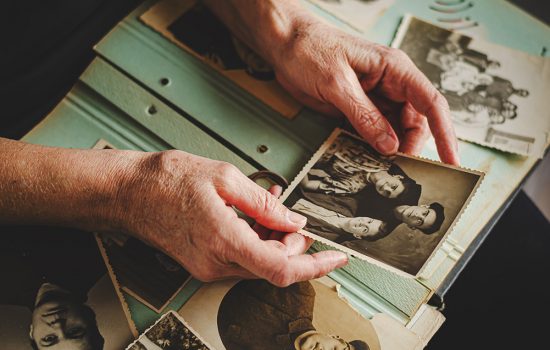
{"points": [[427, 100], [402, 81]]}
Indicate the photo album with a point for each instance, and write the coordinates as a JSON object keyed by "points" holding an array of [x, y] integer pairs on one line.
{"points": [[498, 96]]}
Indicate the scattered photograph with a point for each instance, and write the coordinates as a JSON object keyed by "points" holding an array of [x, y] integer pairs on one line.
{"points": [[359, 14], [170, 332], [393, 211], [497, 95], [56, 293], [254, 314], [193, 27], [143, 272]]}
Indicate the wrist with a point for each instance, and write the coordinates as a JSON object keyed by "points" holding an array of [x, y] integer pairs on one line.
{"points": [[285, 23]]}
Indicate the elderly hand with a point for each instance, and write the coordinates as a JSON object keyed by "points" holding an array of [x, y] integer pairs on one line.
{"points": [[182, 204], [382, 93]]}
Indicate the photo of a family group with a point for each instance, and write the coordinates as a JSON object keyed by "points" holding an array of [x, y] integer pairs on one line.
{"points": [[394, 210], [193, 27], [170, 332], [496, 95], [254, 314]]}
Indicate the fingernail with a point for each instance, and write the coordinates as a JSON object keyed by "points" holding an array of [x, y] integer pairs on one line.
{"points": [[341, 260], [296, 218], [386, 144]]}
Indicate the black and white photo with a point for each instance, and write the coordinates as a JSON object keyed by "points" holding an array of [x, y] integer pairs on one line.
{"points": [[56, 293], [395, 210], [254, 314], [497, 95], [170, 332]]}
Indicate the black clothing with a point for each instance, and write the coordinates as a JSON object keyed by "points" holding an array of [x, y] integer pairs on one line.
{"points": [[31, 256], [45, 47]]}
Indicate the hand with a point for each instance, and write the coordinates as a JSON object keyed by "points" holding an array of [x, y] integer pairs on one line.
{"points": [[379, 89], [182, 204]]}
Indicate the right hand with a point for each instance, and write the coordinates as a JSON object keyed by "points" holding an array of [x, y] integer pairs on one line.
{"points": [[183, 205]]}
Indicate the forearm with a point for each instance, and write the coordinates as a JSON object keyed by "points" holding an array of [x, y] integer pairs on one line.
{"points": [[266, 26], [65, 187]]}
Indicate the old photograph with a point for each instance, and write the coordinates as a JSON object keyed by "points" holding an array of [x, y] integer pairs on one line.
{"points": [[170, 332], [497, 95], [359, 14], [254, 314], [393, 211], [142, 271], [56, 293], [193, 27]]}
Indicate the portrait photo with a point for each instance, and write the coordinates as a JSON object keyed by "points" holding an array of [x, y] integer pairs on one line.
{"points": [[193, 27], [142, 271], [57, 293], [254, 314], [393, 211], [170, 332], [497, 95]]}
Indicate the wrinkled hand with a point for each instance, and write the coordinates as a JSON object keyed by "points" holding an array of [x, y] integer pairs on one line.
{"points": [[379, 89], [183, 205]]}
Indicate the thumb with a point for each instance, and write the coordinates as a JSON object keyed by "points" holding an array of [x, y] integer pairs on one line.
{"points": [[260, 204], [348, 96]]}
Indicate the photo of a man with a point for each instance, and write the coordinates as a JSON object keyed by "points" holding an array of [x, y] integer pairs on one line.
{"points": [[60, 295], [256, 315]]}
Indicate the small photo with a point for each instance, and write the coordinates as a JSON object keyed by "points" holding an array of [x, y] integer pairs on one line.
{"points": [[170, 332], [142, 271], [254, 314], [497, 95], [193, 27], [56, 293], [393, 211]]}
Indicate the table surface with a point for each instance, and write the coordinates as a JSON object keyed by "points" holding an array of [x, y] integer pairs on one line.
{"points": [[203, 113]]}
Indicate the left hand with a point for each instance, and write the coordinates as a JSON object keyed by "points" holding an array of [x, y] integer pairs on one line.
{"points": [[384, 95], [379, 89]]}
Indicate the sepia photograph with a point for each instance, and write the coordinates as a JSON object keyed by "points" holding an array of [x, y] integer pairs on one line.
{"points": [[60, 295], [143, 272], [359, 14], [393, 211], [193, 27], [497, 95], [170, 332], [254, 314]]}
